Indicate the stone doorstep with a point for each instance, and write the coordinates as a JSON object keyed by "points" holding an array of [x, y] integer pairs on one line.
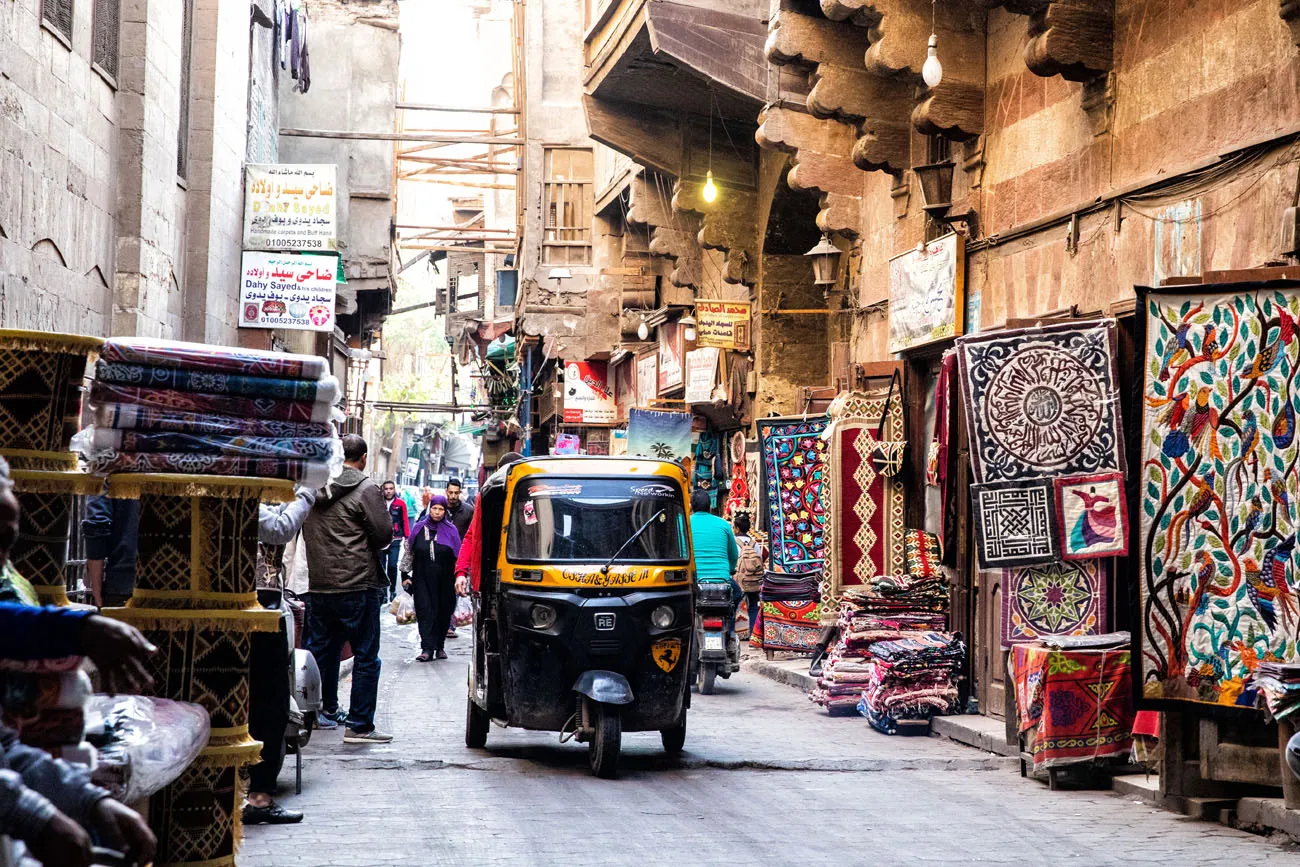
{"points": [[989, 734]]}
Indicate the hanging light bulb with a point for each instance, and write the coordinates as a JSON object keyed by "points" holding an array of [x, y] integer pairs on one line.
{"points": [[642, 330], [710, 191], [932, 71]]}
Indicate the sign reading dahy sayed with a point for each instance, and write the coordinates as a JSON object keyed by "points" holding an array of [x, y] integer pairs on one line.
{"points": [[287, 290], [290, 207], [724, 324]]}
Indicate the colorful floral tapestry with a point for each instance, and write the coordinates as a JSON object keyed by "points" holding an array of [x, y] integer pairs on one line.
{"points": [[1218, 491], [1073, 705], [1042, 401], [863, 493], [787, 626], [794, 468], [1066, 598]]}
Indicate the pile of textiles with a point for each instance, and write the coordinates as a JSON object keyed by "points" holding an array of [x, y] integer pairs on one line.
{"points": [[1279, 683], [779, 587], [170, 407], [873, 618], [912, 678]]}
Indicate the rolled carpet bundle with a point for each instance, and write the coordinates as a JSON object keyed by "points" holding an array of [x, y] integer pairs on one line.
{"points": [[314, 474], [221, 359], [215, 404], [322, 449], [125, 417], [316, 391]]}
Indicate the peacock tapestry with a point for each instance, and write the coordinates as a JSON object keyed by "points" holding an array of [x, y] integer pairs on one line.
{"points": [[1217, 527]]}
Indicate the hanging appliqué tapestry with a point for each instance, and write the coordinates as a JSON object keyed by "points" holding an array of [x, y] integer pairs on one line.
{"points": [[1053, 599], [1218, 491], [794, 468], [1092, 516], [864, 493], [1014, 523], [1042, 401]]}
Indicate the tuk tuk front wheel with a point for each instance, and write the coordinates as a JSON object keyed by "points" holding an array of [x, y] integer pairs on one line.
{"points": [[477, 723], [602, 752], [708, 674], [674, 737]]}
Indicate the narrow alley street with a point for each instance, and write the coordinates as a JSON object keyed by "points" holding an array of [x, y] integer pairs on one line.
{"points": [[765, 778]]}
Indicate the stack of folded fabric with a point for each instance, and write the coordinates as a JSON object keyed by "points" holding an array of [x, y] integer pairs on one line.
{"points": [[1279, 682], [912, 678], [45, 702], [782, 587], [169, 407]]}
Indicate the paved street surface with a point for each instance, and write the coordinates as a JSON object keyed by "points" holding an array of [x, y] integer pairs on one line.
{"points": [[766, 778]]}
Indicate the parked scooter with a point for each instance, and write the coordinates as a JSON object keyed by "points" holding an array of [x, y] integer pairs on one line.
{"points": [[305, 694], [717, 647]]}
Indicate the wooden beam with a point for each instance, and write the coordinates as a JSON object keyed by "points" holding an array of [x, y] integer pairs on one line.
{"points": [[450, 228], [418, 106], [452, 248], [398, 136]]}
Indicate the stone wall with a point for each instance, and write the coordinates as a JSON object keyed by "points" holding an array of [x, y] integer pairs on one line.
{"points": [[57, 163], [1190, 82]]}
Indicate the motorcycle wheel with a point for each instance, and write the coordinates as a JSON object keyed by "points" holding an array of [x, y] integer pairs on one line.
{"points": [[477, 723], [602, 752], [708, 675], [308, 725]]}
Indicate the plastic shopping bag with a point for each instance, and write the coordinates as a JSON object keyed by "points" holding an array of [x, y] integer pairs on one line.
{"points": [[403, 608], [464, 614]]}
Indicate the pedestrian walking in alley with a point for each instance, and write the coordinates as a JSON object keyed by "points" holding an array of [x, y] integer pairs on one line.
{"points": [[750, 566], [429, 566], [110, 528], [459, 511], [401, 529], [345, 533], [268, 660]]}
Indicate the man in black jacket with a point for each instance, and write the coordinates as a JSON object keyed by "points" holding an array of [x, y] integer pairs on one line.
{"points": [[345, 533]]}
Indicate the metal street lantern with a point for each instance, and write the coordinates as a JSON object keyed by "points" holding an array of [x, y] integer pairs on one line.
{"points": [[936, 187], [825, 261], [688, 324]]}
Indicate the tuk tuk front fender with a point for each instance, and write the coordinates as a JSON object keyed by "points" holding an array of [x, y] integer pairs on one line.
{"points": [[606, 687]]}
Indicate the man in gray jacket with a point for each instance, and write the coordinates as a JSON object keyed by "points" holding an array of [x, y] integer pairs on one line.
{"points": [[345, 532]]}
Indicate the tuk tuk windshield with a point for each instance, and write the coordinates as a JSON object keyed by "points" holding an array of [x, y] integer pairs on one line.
{"points": [[581, 519]]}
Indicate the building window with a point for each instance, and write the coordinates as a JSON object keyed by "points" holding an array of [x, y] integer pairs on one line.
{"points": [[105, 28], [58, 14], [183, 129], [567, 202]]}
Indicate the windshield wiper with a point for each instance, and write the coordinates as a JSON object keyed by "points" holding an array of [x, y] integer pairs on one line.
{"points": [[637, 535]]}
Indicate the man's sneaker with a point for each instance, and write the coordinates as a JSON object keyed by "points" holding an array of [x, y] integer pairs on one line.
{"points": [[374, 736], [324, 723], [338, 717]]}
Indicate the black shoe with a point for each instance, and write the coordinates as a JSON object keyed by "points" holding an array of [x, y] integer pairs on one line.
{"points": [[441, 654], [271, 814]]}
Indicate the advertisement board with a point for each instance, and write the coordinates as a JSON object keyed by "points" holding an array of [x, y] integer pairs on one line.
{"points": [[287, 290], [724, 324], [925, 294], [290, 207], [588, 398], [701, 374]]}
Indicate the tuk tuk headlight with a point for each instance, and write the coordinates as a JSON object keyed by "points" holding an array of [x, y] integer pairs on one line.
{"points": [[662, 617], [674, 576], [543, 616]]}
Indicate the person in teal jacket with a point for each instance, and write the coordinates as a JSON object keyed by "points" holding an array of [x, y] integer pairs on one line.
{"points": [[713, 546]]}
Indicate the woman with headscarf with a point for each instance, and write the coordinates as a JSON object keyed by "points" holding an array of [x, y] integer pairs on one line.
{"points": [[429, 566]]}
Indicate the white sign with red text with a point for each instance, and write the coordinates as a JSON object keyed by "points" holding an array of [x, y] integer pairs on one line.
{"points": [[588, 398]]}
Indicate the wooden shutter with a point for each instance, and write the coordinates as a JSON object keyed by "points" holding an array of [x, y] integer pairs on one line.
{"points": [[104, 54], [183, 130], [58, 14]]}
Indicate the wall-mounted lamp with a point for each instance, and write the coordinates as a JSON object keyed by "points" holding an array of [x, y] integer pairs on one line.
{"points": [[825, 261], [936, 192], [687, 323], [560, 274]]}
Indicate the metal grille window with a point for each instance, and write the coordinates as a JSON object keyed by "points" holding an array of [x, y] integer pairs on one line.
{"points": [[58, 14], [183, 131], [568, 205], [107, 16]]}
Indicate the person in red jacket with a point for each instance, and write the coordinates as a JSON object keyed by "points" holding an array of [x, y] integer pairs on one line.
{"points": [[469, 562]]}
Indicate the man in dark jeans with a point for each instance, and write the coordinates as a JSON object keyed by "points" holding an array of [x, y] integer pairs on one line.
{"points": [[110, 528], [345, 533], [401, 529]]}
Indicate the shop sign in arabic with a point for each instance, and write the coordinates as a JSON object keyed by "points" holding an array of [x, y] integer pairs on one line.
{"points": [[925, 293], [701, 374], [587, 395], [723, 324], [290, 207], [287, 290]]}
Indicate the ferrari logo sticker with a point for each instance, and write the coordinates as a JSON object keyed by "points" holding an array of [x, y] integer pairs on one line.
{"points": [[667, 653]]}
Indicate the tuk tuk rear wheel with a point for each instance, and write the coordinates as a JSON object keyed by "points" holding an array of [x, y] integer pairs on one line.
{"points": [[477, 723], [708, 674], [602, 752], [674, 737]]}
